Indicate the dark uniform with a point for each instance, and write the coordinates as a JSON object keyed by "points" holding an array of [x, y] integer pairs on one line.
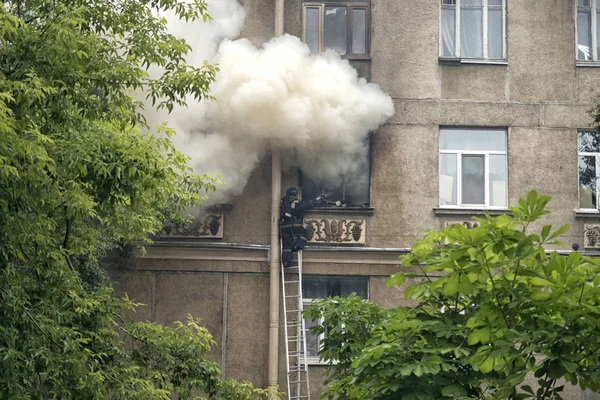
{"points": [[291, 225]]}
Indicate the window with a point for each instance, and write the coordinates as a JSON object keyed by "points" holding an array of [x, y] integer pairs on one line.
{"points": [[349, 187], [589, 157], [339, 25], [473, 169], [318, 287], [472, 29], [588, 12]]}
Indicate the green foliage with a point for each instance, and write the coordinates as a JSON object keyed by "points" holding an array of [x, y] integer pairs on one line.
{"points": [[80, 175], [494, 306]]}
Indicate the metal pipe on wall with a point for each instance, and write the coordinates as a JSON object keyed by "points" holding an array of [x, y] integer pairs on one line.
{"points": [[275, 253]]}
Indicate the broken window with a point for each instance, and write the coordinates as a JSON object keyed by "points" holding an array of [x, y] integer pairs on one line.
{"points": [[348, 188], [339, 25]]}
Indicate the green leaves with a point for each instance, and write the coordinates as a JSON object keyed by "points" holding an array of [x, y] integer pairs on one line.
{"points": [[493, 306], [80, 175]]}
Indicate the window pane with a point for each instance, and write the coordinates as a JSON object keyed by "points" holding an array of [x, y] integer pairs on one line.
{"points": [[335, 29], [312, 29], [448, 30], [314, 288], [319, 287], [471, 32], [495, 41], [473, 139], [471, 3], [448, 2], [312, 341], [353, 285], [498, 180], [473, 189], [584, 35], [448, 180], [583, 3], [587, 182], [597, 34], [589, 142], [494, 2], [359, 22]]}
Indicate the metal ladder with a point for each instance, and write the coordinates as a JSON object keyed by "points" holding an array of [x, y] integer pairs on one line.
{"points": [[295, 337]]}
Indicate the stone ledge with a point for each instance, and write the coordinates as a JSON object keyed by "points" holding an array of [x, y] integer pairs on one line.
{"points": [[478, 212]]}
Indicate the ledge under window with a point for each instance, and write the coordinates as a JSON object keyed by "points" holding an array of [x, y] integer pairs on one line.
{"points": [[589, 214], [478, 212], [588, 64], [349, 210], [460, 61]]}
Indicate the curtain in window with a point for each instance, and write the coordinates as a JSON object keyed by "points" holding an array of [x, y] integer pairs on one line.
{"points": [[448, 30], [359, 26], [495, 34], [335, 29], [473, 189], [471, 32], [584, 34]]}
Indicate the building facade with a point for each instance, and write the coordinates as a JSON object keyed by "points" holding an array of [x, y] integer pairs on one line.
{"points": [[492, 99]]}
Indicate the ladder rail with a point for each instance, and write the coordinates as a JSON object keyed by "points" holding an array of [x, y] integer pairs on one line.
{"points": [[285, 322], [299, 338]]}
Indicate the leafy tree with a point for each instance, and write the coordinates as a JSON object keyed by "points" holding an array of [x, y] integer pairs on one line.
{"points": [[81, 175], [494, 306]]}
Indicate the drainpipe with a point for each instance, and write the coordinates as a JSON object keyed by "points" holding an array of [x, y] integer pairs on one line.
{"points": [[275, 254]]}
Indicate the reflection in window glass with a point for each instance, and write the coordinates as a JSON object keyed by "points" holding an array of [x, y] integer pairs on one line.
{"points": [[448, 28], [448, 179], [473, 181], [588, 166], [473, 168], [495, 33], [498, 182], [584, 34], [473, 139], [335, 29], [319, 287], [359, 21], [312, 29], [471, 32]]}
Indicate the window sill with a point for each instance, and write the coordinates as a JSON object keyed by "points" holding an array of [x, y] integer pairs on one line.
{"points": [[480, 212], [349, 210], [460, 61], [588, 214], [216, 208], [587, 64], [357, 57]]}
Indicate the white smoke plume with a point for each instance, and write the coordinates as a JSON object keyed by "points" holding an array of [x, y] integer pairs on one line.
{"points": [[313, 107]]}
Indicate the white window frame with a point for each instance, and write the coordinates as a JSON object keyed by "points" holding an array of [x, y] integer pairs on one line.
{"points": [[484, 32], [366, 5], [597, 157], [486, 175], [312, 360], [594, 29], [315, 360]]}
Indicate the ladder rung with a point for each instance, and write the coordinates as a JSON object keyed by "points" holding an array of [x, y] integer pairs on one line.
{"points": [[292, 296], [294, 311], [292, 282]]}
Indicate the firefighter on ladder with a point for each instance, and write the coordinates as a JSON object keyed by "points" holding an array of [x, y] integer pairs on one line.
{"points": [[291, 225]]}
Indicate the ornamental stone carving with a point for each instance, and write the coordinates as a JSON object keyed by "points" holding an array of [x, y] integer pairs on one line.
{"points": [[206, 227], [591, 236], [327, 230], [470, 224]]}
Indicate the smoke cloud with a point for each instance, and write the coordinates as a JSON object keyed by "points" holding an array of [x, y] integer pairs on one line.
{"points": [[314, 108]]}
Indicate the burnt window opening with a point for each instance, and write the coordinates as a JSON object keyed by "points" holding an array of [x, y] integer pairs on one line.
{"points": [[349, 189]]}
